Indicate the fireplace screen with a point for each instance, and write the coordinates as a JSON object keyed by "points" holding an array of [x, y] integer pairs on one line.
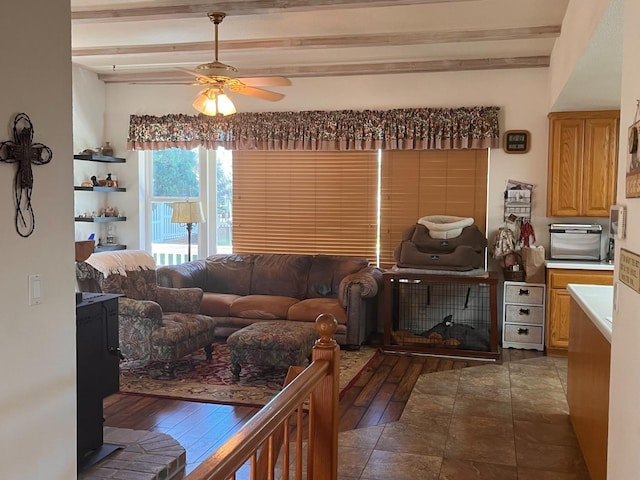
{"points": [[450, 315]]}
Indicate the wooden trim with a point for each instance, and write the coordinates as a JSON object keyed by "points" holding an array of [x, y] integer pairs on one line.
{"points": [[453, 65], [583, 115], [330, 41], [235, 7]]}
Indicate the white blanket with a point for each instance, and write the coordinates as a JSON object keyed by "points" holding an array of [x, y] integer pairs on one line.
{"points": [[121, 261]]}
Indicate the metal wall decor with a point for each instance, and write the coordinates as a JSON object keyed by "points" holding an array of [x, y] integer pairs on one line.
{"points": [[633, 162], [24, 152]]}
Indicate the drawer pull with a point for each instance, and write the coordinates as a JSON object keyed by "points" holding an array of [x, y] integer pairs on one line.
{"points": [[525, 311], [523, 331], [524, 291]]}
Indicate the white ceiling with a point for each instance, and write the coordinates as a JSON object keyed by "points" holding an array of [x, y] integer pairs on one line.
{"points": [[137, 41]]}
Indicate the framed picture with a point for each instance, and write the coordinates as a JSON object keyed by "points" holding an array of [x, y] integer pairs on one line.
{"points": [[516, 141], [633, 162], [617, 222]]}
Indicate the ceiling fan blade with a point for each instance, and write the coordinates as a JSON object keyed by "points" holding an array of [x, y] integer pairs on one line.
{"points": [[265, 81], [256, 92]]}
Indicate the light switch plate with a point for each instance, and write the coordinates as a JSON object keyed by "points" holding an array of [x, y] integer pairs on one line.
{"points": [[35, 289]]}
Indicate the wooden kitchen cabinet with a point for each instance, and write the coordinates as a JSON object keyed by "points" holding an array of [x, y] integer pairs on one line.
{"points": [[558, 302], [583, 160], [588, 383]]}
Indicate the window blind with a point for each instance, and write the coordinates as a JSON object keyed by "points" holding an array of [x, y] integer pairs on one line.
{"points": [[429, 182], [305, 202]]}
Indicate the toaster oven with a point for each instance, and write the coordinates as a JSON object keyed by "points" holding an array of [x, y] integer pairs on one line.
{"points": [[572, 241]]}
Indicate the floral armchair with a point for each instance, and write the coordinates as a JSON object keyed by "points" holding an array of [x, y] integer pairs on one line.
{"points": [[155, 323]]}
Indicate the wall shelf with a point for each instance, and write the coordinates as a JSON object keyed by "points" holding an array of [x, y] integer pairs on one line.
{"points": [[99, 158], [100, 219], [108, 247], [99, 189]]}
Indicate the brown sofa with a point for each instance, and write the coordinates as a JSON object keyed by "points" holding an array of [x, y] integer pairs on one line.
{"points": [[241, 289]]}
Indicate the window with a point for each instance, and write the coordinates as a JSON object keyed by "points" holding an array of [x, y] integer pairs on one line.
{"points": [[176, 175], [305, 202], [345, 203], [417, 183], [330, 202]]}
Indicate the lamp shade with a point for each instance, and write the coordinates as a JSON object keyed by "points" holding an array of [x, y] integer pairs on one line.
{"points": [[212, 102], [187, 212]]}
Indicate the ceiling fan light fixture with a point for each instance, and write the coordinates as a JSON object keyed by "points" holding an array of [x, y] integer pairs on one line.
{"points": [[214, 102]]}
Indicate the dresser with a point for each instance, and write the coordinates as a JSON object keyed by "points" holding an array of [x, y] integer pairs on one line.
{"points": [[523, 314]]}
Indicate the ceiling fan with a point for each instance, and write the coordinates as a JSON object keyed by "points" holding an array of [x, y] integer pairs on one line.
{"points": [[216, 76]]}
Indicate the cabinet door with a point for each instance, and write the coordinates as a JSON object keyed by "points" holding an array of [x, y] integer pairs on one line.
{"points": [[558, 327], [566, 140], [600, 166]]}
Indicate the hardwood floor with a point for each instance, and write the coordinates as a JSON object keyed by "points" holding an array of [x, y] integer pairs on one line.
{"points": [[379, 396]]}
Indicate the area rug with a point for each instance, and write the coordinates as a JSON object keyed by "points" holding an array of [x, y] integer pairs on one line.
{"points": [[199, 379]]}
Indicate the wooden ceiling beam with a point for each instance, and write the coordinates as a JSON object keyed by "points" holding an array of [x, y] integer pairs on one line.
{"points": [[347, 69], [332, 41], [235, 7]]}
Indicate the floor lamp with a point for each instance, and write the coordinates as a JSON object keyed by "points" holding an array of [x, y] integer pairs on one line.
{"points": [[189, 213]]}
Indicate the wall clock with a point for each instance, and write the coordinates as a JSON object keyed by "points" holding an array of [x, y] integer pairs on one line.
{"points": [[516, 141]]}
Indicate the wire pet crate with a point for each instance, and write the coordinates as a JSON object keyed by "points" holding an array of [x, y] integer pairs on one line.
{"points": [[449, 315]]}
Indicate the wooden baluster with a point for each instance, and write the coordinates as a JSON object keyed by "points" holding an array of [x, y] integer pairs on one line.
{"points": [[324, 414]]}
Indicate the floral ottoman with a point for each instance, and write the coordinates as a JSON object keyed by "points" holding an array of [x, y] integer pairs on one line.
{"points": [[277, 344]]}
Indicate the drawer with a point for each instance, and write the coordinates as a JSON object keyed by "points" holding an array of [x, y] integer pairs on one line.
{"points": [[524, 314], [522, 334], [530, 295], [561, 278]]}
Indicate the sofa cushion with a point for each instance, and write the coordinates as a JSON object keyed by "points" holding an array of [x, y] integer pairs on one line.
{"points": [[280, 274], [262, 306], [309, 309], [137, 284], [327, 271], [217, 304], [229, 273]]}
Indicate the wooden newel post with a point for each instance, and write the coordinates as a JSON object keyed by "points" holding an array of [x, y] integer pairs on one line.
{"points": [[323, 423]]}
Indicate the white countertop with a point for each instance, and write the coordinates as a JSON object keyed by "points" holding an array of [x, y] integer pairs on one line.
{"points": [[597, 303], [578, 265]]}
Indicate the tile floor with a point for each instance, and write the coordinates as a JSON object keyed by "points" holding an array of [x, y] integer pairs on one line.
{"points": [[493, 422]]}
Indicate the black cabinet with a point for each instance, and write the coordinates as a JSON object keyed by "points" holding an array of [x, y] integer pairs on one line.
{"points": [[98, 360]]}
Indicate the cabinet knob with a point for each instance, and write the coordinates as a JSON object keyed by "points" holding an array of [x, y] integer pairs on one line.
{"points": [[524, 291], [524, 311], [523, 331]]}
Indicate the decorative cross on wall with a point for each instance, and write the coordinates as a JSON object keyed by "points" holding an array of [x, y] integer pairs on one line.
{"points": [[24, 152]]}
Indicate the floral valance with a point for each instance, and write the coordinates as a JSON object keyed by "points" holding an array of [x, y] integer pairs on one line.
{"points": [[399, 129]]}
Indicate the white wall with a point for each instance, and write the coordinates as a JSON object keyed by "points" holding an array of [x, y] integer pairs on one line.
{"points": [[89, 97], [37, 354], [580, 21], [624, 420], [521, 95]]}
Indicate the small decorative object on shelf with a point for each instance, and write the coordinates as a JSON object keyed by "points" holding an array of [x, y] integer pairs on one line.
{"points": [[106, 150]]}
